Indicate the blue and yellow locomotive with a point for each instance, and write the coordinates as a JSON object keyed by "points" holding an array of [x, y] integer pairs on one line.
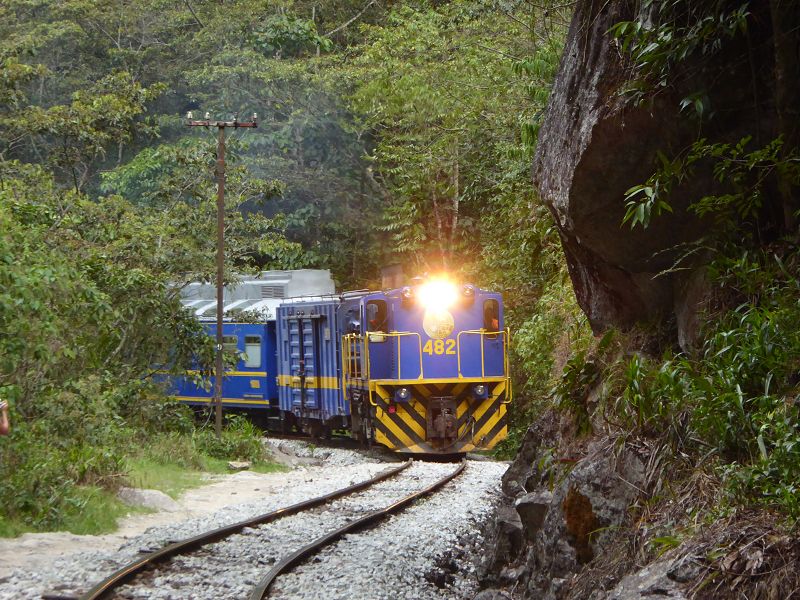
{"points": [[425, 368], [421, 368]]}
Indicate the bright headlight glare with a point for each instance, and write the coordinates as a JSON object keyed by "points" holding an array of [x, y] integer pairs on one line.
{"points": [[438, 294]]}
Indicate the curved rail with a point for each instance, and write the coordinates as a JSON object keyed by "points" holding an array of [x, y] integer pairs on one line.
{"points": [[182, 547], [261, 590]]}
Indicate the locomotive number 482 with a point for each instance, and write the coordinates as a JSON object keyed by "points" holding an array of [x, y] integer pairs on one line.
{"points": [[440, 347]]}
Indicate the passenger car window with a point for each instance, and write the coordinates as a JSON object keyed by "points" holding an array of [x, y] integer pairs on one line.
{"points": [[252, 351], [230, 343]]}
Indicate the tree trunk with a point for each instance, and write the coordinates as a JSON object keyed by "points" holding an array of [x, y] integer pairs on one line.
{"points": [[456, 202], [786, 35], [437, 215]]}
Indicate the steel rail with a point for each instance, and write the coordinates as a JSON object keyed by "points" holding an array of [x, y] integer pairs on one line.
{"points": [[287, 563], [190, 544]]}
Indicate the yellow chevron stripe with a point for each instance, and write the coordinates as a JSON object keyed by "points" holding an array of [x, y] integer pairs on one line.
{"points": [[498, 389], [462, 408], [481, 409], [383, 440], [325, 383], [420, 409], [501, 435], [459, 388], [426, 391], [490, 424], [402, 412], [489, 402], [387, 420]]}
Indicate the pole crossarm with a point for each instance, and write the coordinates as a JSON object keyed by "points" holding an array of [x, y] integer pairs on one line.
{"points": [[223, 124]]}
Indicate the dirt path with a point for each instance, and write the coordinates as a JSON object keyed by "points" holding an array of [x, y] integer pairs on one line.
{"points": [[34, 550]]}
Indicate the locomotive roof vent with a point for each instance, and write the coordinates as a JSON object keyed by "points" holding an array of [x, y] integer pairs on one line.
{"points": [[273, 291]]}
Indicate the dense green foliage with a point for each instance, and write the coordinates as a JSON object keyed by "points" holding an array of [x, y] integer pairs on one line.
{"points": [[734, 401], [87, 310], [387, 133]]}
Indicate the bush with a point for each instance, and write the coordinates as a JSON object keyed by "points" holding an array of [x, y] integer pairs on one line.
{"points": [[240, 440], [739, 396]]}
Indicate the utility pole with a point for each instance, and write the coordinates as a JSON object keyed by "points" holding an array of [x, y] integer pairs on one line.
{"points": [[220, 172]]}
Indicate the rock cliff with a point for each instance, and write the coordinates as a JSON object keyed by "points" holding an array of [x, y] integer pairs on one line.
{"points": [[594, 144], [566, 531]]}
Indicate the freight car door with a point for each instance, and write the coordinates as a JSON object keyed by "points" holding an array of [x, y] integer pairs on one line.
{"points": [[303, 348]]}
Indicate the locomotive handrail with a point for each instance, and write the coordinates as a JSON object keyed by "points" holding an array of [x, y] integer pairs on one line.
{"points": [[399, 335], [483, 332], [349, 342], [348, 355], [351, 339], [506, 366]]}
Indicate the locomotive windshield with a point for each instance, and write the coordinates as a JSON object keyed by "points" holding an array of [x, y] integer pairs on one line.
{"points": [[377, 314], [491, 315]]}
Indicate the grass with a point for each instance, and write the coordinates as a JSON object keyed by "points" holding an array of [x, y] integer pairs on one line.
{"points": [[91, 510], [170, 478], [269, 467]]}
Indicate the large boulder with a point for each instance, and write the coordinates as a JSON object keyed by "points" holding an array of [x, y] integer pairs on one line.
{"points": [[594, 144]]}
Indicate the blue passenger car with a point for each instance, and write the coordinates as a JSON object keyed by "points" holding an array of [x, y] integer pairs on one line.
{"points": [[252, 383]]}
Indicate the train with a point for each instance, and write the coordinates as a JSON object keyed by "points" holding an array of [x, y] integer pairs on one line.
{"points": [[419, 368]]}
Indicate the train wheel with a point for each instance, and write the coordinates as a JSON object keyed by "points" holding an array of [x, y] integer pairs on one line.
{"points": [[286, 422]]}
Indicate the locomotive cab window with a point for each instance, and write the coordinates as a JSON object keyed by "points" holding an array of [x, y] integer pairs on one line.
{"points": [[252, 351], [353, 322], [377, 316], [491, 315]]}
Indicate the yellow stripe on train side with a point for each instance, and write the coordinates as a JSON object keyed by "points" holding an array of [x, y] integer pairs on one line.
{"points": [[224, 400], [325, 383]]}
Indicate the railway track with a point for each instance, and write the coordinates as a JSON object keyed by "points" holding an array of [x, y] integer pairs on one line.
{"points": [[269, 545]]}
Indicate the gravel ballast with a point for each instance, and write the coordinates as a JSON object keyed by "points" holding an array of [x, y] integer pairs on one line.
{"points": [[427, 551]]}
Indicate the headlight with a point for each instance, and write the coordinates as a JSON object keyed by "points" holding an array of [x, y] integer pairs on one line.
{"points": [[402, 394], [480, 390], [438, 294]]}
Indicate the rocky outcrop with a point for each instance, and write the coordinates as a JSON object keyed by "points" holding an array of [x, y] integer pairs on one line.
{"points": [[561, 513], [594, 144]]}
